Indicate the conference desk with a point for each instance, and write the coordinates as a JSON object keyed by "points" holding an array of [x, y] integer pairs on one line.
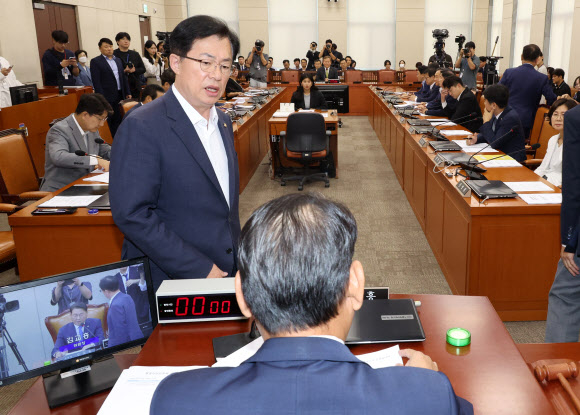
{"points": [[278, 124], [504, 249], [54, 244], [490, 372]]}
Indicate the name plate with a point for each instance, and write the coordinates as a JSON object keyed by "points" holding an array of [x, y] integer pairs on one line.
{"points": [[463, 189], [250, 113], [258, 106], [239, 121], [423, 142], [439, 161], [402, 120]]}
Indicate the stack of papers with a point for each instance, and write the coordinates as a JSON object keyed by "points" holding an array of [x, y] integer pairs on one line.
{"points": [[69, 201], [282, 114], [439, 121], [542, 198], [529, 186], [454, 133], [503, 161], [486, 148], [101, 178]]}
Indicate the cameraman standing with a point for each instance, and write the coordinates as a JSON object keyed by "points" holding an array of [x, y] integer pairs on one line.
{"points": [[312, 55], [257, 61], [132, 63], [468, 62]]}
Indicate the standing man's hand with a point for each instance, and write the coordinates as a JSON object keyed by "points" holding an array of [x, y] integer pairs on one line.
{"points": [[216, 272], [568, 260], [5, 71]]}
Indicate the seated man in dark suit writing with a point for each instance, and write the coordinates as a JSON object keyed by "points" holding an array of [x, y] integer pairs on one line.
{"points": [[298, 280], [81, 334], [326, 72], [76, 132], [504, 131], [307, 96], [122, 316], [466, 104]]}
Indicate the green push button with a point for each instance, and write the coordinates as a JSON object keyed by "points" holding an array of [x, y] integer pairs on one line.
{"points": [[458, 337]]}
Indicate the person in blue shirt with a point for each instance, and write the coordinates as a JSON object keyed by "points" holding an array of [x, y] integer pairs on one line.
{"points": [[59, 65]]}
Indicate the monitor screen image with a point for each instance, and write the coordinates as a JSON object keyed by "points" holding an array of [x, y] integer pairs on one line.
{"points": [[69, 320]]}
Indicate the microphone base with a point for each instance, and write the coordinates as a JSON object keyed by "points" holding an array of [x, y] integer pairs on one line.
{"points": [[472, 167], [474, 175]]}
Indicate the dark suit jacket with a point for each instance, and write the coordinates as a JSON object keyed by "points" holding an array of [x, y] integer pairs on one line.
{"points": [[515, 141], [570, 213], [466, 104], [166, 198], [428, 94], [139, 297], [317, 100], [67, 335], [105, 82], [321, 74], [526, 87], [307, 375], [139, 105], [311, 56], [122, 320], [434, 106]]}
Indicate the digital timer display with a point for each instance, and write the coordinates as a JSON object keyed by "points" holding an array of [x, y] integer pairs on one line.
{"points": [[198, 307]]}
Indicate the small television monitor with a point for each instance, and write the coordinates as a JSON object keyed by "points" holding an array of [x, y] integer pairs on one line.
{"points": [[23, 94], [73, 322]]}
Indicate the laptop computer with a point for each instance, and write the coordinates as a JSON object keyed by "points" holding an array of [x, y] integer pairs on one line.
{"points": [[491, 189], [445, 146], [386, 321], [102, 203]]}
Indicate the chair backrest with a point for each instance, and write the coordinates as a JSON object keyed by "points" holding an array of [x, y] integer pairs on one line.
{"points": [[545, 134], [538, 124], [353, 76], [51, 124], [55, 323], [290, 76], [306, 132], [386, 76], [126, 105], [411, 76], [481, 100], [17, 171]]}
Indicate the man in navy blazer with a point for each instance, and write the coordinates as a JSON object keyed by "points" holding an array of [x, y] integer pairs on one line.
{"points": [[174, 187], [132, 281], [504, 131], [563, 321], [81, 334], [431, 90], [122, 316], [526, 86], [110, 80], [298, 280]]}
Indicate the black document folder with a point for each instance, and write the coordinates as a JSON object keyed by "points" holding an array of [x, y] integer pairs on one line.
{"points": [[386, 321], [490, 189], [85, 190]]}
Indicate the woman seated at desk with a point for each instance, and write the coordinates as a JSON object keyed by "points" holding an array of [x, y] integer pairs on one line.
{"points": [[233, 89], [307, 95], [551, 167]]}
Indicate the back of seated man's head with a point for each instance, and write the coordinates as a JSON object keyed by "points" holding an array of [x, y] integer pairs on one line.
{"points": [[167, 79], [531, 53], [295, 265], [434, 65], [151, 93], [497, 94]]}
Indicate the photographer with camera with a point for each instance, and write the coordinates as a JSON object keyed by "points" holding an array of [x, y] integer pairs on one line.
{"points": [[257, 61], [132, 63], [330, 50], [312, 55], [71, 291], [468, 62]]}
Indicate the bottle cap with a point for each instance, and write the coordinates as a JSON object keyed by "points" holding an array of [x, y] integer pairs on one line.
{"points": [[458, 337]]}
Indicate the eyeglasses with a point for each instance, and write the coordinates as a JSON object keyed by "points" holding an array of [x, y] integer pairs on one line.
{"points": [[100, 118], [209, 66]]}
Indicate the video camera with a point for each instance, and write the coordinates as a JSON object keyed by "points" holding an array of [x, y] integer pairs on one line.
{"points": [[491, 75], [165, 38], [440, 35], [259, 44], [8, 306], [460, 40]]}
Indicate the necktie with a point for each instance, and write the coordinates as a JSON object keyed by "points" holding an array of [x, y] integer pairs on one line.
{"points": [[327, 73], [493, 124], [80, 331]]}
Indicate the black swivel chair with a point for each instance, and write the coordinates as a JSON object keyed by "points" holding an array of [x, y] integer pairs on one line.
{"points": [[306, 141]]}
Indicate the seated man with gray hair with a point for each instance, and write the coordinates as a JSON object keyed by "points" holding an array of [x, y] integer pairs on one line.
{"points": [[297, 278]]}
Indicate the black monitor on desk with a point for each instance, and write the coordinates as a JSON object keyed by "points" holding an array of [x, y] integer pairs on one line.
{"points": [[23, 94], [336, 96]]}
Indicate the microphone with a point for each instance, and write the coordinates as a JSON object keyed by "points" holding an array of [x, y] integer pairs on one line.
{"points": [[99, 140], [472, 169], [511, 131], [473, 114], [81, 153]]}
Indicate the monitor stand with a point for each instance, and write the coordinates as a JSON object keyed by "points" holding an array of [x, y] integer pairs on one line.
{"points": [[102, 376]]}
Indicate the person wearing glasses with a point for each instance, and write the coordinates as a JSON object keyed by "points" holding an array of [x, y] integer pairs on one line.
{"points": [[59, 64], [77, 132], [175, 157]]}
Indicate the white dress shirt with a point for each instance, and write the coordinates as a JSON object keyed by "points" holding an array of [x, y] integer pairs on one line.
{"points": [[551, 166], [115, 70], [210, 137]]}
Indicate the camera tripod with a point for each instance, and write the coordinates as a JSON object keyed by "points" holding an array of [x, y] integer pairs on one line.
{"points": [[7, 338]]}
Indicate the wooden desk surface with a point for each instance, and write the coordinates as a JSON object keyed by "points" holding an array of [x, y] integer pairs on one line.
{"points": [[330, 118]]}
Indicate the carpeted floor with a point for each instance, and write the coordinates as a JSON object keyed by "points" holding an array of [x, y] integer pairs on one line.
{"points": [[391, 245]]}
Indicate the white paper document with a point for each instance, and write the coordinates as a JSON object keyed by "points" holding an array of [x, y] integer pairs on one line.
{"points": [[455, 133], [484, 147], [542, 198], [282, 114], [439, 122], [411, 102], [69, 201], [383, 358], [529, 186], [502, 163], [101, 178], [241, 355], [133, 392]]}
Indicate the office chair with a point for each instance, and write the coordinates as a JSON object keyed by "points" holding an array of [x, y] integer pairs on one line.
{"points": [[386, 77], [537, 156], [126, 105], [306, 141], [7, 247], [55, 323]]}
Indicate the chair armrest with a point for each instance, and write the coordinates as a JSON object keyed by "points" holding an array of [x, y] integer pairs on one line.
{"points": [[7, 208], [533, 162], [36, 195]]}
